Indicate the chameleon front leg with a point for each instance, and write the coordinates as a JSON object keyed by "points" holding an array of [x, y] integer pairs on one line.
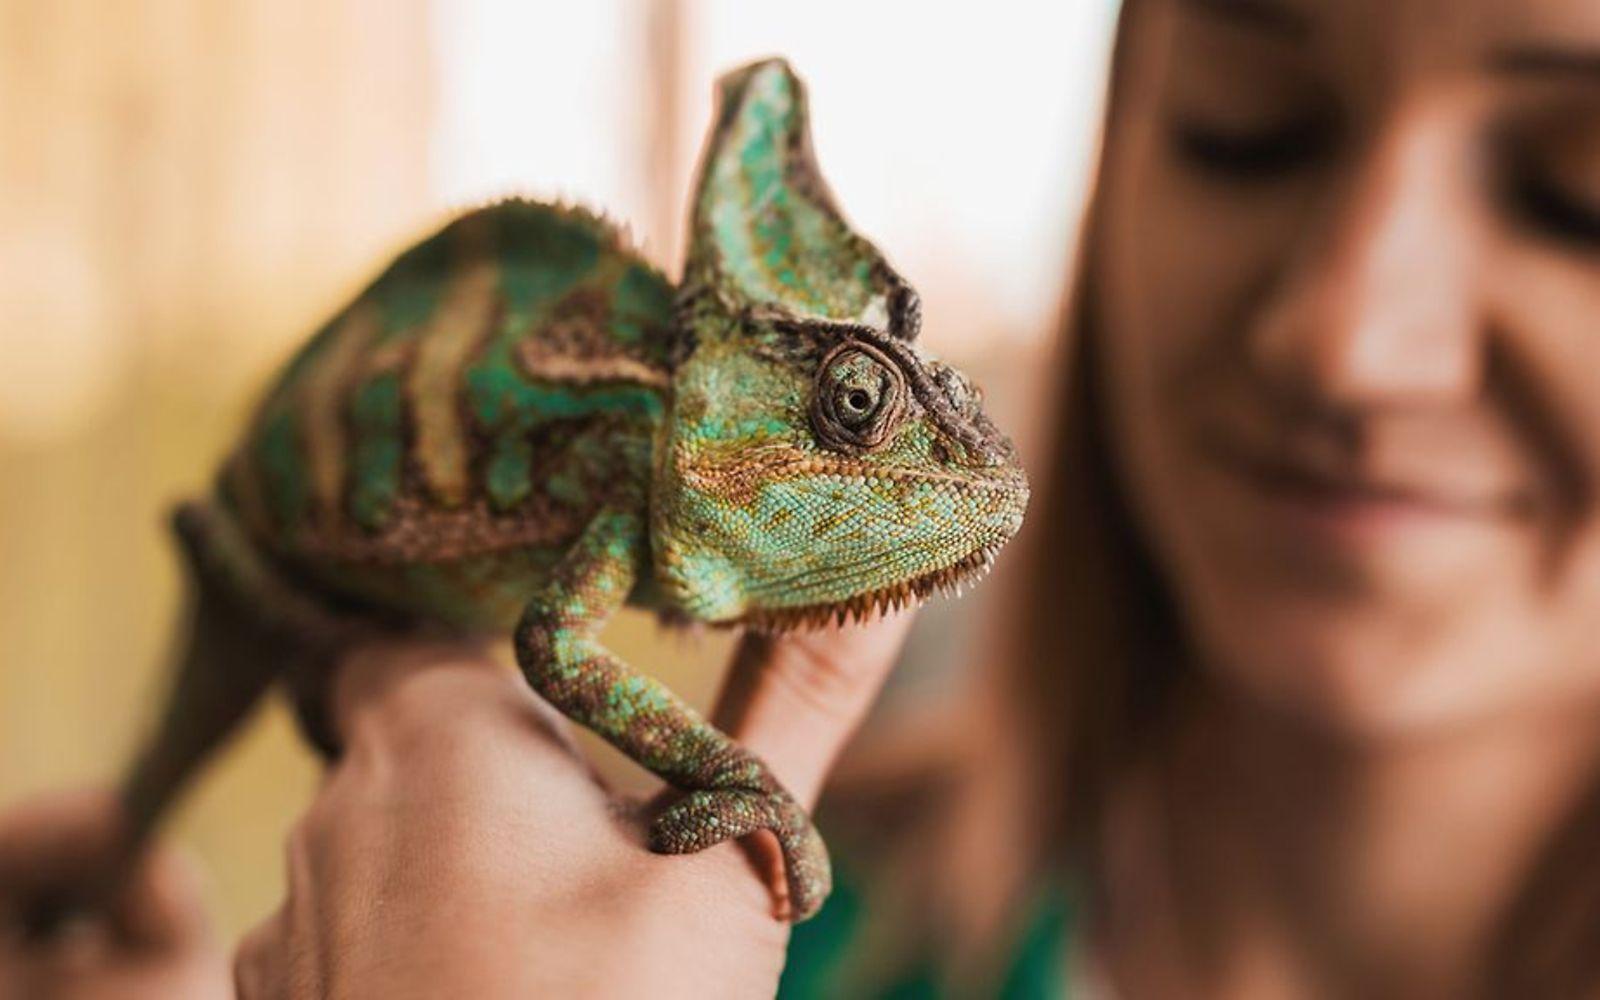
{"points": [[731, 791]]}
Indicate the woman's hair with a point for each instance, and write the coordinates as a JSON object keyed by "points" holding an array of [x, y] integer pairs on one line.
{"points": [[1096, 661]]}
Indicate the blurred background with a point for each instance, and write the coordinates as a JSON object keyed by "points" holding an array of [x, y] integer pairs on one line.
{"points": [[187, 187]]}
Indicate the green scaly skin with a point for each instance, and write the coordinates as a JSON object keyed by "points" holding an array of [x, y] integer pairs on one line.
{"points": [[520, 425]]}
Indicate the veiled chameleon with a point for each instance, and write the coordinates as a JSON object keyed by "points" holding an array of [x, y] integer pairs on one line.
{"points": [[520, 426]]}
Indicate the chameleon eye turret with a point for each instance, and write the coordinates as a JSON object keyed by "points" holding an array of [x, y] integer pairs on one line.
{"points": [[859, 400], [520, 426]]}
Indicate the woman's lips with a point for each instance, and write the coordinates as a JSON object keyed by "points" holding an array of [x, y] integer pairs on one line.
{"points": [[1351, 508]]}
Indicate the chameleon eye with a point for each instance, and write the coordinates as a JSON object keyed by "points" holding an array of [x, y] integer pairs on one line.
{"points": [[857, 404], [859, 398]]}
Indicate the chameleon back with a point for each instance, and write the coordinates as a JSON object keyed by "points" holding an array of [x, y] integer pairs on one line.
{"points": [[443, 439]]}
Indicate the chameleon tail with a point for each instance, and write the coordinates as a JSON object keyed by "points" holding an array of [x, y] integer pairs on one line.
{"points": [[224, 662], [230, 655]]}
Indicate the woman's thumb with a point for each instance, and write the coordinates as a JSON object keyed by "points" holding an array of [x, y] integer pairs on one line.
{"points": [[795, 699]]}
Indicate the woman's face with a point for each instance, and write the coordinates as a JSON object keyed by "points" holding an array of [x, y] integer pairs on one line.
{"points": [[1350, 293]]}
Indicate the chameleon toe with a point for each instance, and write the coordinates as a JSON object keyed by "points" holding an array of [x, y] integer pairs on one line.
{"points": [[705, 818]]}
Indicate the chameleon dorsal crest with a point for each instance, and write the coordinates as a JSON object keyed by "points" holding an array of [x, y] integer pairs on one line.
{"points": [[766, 237]]}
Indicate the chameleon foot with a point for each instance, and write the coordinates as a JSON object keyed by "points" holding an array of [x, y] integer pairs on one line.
{"points": [[709, 817]]}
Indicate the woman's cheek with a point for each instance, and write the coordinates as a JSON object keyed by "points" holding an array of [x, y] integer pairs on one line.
{"points": [[1542, 303], [1185, 267]]}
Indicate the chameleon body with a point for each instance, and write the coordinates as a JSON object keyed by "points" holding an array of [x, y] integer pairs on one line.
{"points": [[520, 426]]}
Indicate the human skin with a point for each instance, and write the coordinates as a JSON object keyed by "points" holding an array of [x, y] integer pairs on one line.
{"points": [[461, 846], [1348, 281], [155, 942]]}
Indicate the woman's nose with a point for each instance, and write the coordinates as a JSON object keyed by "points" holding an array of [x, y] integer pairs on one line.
{"points": [[1378, 307]]}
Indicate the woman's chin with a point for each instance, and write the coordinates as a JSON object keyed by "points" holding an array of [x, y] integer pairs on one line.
{"points": [[1361, 673], [1344, 548]]}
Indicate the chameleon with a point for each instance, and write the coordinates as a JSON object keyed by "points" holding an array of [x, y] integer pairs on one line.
{"points": [[521, 425]]}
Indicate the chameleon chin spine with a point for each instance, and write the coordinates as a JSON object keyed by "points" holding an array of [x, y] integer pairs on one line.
{"points": [[951, 580]]}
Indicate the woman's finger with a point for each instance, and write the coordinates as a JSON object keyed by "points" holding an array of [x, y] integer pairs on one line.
{"points": [[383, 674], [61, 847], [795, 699], [442, 703], [161, 906], [258, 964], [57, 852]]}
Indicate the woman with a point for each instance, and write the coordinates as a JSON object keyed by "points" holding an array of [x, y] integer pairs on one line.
{"points": [[1342, 391], [1304, 697]]}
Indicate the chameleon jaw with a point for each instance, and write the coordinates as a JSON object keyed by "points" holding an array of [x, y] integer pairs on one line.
{"points": [[950, 580]]}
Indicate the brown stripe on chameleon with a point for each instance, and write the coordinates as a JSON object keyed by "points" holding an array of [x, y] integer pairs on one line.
{"points": [[321, 403], [419, 532], [377, 420], [466, 312], [390, 357], [539, 360], [240, 485], [737, 472], [578, 342]]}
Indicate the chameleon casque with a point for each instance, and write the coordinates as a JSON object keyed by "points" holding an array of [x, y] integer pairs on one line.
{"points": [[520, 426]]}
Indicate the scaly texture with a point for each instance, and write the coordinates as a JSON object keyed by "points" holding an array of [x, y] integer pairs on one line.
{"points": [[520, 425]]}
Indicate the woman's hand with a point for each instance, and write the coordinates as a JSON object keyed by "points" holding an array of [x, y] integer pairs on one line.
{"points": [[154, 941], [460, 847]]}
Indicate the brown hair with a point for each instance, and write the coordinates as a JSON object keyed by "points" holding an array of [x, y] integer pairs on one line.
{"points": [[1096, 663]]}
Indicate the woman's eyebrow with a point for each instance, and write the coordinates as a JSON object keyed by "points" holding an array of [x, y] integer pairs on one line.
{"points": [[1267, 15], [1537, 60]]}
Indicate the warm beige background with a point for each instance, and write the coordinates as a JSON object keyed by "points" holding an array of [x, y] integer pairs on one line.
{"points": [[188, 186], [176, 198]]}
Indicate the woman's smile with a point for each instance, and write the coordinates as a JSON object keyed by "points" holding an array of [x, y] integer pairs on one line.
{"points": [[1306, 497]]}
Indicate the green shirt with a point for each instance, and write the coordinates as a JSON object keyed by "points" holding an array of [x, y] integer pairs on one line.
{"points": [[825, 959]]}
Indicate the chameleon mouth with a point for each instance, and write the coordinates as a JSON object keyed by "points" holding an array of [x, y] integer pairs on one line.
{"points": [[734, 476], [950, 580]]}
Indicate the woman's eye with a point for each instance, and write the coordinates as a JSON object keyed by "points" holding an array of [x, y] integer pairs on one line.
{"points": [[1251, 154], [1544, 175], [1549, 209]]}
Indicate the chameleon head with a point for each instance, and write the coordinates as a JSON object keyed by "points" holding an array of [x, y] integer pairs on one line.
{"points": [[816, 464]]}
